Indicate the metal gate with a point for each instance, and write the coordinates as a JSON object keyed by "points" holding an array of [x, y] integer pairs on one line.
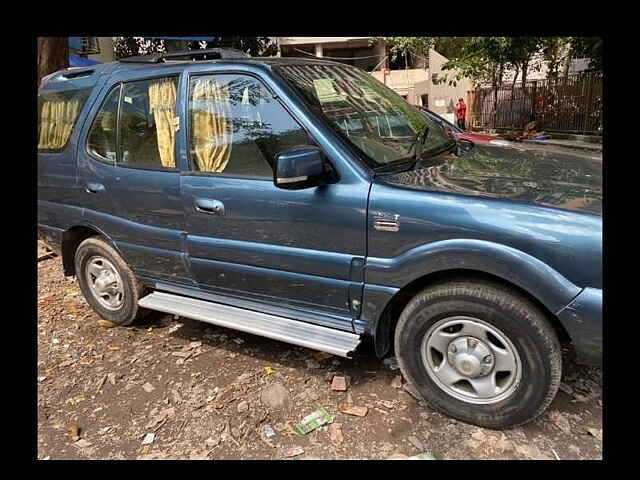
{"points": [[571, 104]]}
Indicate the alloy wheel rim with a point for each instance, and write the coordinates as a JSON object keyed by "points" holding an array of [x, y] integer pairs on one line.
{"points": [[104, 282], [471, 360]]}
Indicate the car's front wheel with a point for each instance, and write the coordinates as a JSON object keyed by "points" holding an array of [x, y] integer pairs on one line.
{"points": [[479, 352], [107, 282]]}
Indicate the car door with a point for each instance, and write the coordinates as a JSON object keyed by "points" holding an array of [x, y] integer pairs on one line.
{"points": [[299, 248], [131, 177]]}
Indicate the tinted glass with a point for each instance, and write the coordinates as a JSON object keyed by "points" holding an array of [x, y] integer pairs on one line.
{"points": [[370, 115], [102, 136], [148, 123], [57, 115], [237, 127]]}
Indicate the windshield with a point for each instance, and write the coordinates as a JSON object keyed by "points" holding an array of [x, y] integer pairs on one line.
{"points": [[371, 116], [442, 121]]}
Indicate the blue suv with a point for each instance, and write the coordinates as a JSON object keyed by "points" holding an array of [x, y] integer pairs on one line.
{"points": [[305, 201]]}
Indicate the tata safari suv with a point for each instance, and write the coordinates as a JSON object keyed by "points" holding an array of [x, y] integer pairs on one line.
{"points": [[304, 201]]}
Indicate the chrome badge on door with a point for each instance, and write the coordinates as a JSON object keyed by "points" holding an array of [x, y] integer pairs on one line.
{"points": [[386, 222]]}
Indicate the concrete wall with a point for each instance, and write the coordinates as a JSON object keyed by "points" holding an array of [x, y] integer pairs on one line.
{"points": [[313, 40], [403, 81], [106, 54], [443, 97]]}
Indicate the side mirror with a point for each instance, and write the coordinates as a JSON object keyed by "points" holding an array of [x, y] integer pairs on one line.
{"points": [[301, 167]]}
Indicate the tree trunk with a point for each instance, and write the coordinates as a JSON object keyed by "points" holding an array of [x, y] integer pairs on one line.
{"points": [[53, 55], [525, 67]]}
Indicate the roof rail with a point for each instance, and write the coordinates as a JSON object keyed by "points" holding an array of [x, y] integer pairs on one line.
{"points": [[193, 55]]}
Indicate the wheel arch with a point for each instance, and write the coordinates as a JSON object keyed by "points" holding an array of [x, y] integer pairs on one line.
{"points": [[73, 237], [384, 330]]}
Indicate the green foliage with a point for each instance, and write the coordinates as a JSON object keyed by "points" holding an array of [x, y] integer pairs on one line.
{"points": [[450, 47], [588, 47], [486, 59], [254, 46], [131, 46], [402, 45]]}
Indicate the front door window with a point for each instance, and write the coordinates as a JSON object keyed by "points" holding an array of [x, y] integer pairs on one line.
{"points": [[237, 127]]}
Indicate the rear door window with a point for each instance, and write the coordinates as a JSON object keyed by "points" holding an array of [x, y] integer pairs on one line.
{"points": [[57, 115], [148, 123], [102, 137]]}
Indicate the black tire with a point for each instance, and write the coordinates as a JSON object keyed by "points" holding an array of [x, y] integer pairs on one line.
{"points": [[129, 311], [519, 319]]}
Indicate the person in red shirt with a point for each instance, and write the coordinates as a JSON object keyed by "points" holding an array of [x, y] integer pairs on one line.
{"points": [[461, 113]]}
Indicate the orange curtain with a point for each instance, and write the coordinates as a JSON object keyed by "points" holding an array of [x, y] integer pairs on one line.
{"points": [[57, 118], [162, 104], [211, 133]]}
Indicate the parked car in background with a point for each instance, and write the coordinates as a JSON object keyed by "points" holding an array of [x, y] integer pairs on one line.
{"points": [[305, 201], [456, 131]]}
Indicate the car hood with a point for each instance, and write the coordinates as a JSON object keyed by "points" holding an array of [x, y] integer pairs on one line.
{"points": [[562, 180]]}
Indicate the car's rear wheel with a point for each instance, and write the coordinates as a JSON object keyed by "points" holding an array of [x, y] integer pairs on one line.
{"points": [[107, 282], [479, 352]]}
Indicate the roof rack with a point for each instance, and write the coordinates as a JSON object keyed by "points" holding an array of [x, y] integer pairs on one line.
{"points": [[193, 55]]}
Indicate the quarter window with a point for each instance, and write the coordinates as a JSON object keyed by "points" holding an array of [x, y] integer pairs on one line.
{"points": [[102, 136], [148, 123], [57, 115], [237, 127]]}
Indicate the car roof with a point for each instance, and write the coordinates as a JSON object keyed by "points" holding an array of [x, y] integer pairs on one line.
{"points": [[78, 77]]}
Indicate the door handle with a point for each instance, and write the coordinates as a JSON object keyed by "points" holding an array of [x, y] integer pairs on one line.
{"points": [[95, 187], [212, 207]]}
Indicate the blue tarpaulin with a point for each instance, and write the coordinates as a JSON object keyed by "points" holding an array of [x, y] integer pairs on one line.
{"points": [[75, 43], [78, 61]]}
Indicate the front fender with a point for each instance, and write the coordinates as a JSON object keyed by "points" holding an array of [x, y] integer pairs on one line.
{"points": [[536, 277], [386, 277]]}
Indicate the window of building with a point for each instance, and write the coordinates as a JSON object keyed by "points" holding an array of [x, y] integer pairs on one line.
{"points": [[237, 127], [101, 141], [148, 123], [57, 115]]}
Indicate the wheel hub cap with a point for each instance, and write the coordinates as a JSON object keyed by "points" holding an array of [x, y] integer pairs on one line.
{"points": [[104, 282], [470, 356], [471, 360]]}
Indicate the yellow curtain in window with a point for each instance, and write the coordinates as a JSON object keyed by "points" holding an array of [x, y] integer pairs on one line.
{"points": [[211, 134], [162, 104], [56, 122]]}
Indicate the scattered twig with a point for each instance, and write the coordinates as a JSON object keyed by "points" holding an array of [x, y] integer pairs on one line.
{"points": [[181, 427], [46, 256], [160, 425], [104, 379]]}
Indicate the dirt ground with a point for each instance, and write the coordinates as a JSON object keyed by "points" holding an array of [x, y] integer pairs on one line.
{"points": [[180, 389]]}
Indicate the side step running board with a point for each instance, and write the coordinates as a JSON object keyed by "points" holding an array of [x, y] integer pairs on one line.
{"points": [[284, 329]]}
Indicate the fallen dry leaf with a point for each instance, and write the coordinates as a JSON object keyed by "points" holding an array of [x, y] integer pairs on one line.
{"points": [[596, 432], [319, 356], [335, 433], [355, 410], [293, 452], [105, 323], [339, 384]]}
